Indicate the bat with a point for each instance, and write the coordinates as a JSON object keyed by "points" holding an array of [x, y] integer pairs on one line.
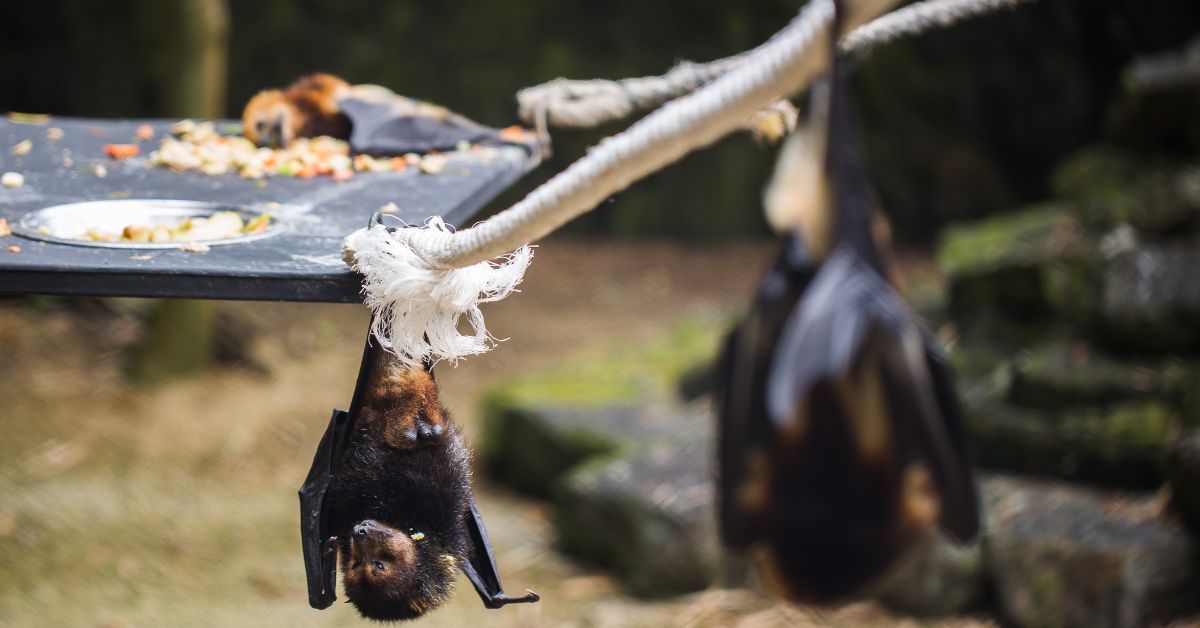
{"points": [[307, 108], [389, 494], [840, 434], [372, 118]]}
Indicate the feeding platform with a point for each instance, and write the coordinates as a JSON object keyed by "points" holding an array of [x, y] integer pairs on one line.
{"points": [[70, 186]]}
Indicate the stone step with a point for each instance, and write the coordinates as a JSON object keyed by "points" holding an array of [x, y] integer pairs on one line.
{"points": [[1122, 445], [1150, 298], [1065, 556], [1010, 274], [531, 448], [648, 517], [1060, 375]]}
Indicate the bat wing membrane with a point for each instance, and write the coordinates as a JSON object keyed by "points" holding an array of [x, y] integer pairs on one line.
{"points": [[320, 556], [480, 566]]}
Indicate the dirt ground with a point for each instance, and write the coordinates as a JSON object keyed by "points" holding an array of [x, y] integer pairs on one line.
{"points": [[176, 505]]}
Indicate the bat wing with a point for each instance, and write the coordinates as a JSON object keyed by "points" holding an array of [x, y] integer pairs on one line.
{"points": [[320, 548], [962, 517], [847, 305], [320, 553], [480, 566], [390, 124], [745, 359]]}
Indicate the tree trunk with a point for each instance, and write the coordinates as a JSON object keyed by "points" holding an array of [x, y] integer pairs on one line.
{"points": [[185, 45]]}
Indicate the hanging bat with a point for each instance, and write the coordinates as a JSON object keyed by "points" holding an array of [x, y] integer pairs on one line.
{"points": [[841, 440], [389, 493]]}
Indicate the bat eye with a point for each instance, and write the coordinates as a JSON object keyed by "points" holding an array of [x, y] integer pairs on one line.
{"points": [[379, 565]]}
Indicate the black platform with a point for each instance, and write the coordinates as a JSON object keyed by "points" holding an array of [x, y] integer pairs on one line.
{"points": [[302, 263]]}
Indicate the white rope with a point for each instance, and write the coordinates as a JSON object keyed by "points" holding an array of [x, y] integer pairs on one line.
{"points": [[920, 17], [418, 308], [452, 269], [588, 103]]}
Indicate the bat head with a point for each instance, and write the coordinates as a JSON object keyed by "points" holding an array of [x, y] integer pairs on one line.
{"points": [[391, 574], [269, 119]]}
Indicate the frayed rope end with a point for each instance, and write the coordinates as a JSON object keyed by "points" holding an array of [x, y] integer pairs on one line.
{"points": [[418, 308]]}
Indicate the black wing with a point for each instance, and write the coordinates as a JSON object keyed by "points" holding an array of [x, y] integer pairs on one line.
{"points": [[962, 519], [847, 305], [319, 546], [743, 429], [320, 553], [390, 124], [480, 565]]}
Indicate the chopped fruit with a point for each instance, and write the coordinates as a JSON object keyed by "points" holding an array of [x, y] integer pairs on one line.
{"points": [[121, 151], [12, 180]]}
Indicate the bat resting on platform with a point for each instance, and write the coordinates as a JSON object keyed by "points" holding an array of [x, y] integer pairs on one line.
{"points": [[373, 119]]}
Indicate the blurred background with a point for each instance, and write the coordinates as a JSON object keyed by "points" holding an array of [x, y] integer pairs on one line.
{"points": [[1039, 167]]}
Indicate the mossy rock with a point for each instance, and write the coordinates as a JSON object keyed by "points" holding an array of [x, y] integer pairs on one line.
{"points": [[1123, 445], [646, 516], [1108, 187], [529, 448], [537, 427], [937, 578], [1014, 240], [1061, 375], [1065, 556], [1011, 273], [1151, 299]]}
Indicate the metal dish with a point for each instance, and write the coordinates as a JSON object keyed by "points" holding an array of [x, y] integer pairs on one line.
{"points": [[69, 224]]}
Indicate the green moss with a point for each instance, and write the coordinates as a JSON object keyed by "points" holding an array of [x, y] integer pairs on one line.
{"points": [[1107, 187], [1145, 424], [525, 453], [1100, 183], [1015, 278], [1060, 375], [1018, 240], [1046, 598], [627, 375], [1122, 445], [539, 427]]}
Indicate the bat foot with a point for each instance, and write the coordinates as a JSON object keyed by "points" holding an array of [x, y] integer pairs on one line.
{"points": [[413, 430], [499, 600]]}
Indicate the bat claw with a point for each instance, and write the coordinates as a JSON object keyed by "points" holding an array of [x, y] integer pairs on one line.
{"points": [[499, 600], [409, 434]]}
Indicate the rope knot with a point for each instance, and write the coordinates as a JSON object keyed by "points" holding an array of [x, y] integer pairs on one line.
{"points": [[418, 305]]}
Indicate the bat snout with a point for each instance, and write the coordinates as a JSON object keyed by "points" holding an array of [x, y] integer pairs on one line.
{"points": [[370, 528]]}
